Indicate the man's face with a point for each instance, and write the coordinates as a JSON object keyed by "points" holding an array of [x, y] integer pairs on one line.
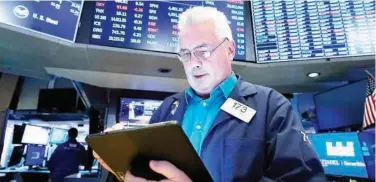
{"points": [[204, 75]]}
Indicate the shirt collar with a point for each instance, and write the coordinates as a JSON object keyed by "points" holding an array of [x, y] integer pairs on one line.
{"points": [[225, 88]]}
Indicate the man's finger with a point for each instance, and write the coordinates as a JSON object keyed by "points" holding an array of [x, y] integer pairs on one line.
{"points": [[130, 178], [118, 126], [169, 171], [101, 162]]}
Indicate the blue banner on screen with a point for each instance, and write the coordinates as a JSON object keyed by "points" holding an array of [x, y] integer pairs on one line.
{"points": [[55, 18], [152, 25], [340, 154], [367, 142]]}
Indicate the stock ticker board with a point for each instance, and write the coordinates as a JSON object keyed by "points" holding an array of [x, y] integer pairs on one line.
{"points": [[152, 25], [55, 18], [307, 29]]}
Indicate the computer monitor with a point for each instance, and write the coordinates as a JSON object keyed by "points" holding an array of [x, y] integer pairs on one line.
{"points": [[35, 155], [333, 106], [16, 156], [18, 131], [36, 135], [58, 136], [137, 111]]}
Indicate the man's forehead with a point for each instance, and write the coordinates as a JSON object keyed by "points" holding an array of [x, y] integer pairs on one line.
{"points": [[194, 45]]}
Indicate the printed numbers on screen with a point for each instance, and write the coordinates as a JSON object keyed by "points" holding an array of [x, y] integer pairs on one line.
{"points": [[240, 107], [121, 13], [121, 1], [139, 3], [136, 34], [137, 28], [241, 52], [137, 15], [172, 44], [76, 5], [116, 39]]}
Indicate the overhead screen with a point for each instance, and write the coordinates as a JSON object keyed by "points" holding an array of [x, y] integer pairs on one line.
{"points": [[307, 29], [152, 25], [54, 18]]}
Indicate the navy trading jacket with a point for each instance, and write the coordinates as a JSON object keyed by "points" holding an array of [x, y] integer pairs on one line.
{"points": [[271, 147], [66, 160]]}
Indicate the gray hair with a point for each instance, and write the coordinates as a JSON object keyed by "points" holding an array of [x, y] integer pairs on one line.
{"points": [[202, 14]]}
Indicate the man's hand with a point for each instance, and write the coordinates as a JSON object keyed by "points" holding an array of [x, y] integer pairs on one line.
{"points": [[172, 173]]}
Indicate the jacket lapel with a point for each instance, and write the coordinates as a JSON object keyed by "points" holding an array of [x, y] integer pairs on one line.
{"points": [[177, 114]]}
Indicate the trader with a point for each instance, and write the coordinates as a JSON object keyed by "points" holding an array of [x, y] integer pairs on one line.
{"points": [[241, 131], [66, 158]]}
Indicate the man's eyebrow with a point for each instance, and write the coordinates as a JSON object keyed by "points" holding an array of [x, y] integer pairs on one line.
{"points": [[199, 46]]}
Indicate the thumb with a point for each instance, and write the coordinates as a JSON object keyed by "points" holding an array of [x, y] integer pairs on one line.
{"points": [[169, 171]]}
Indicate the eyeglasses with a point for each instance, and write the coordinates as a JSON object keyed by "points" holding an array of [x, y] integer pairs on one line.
{"points": [[199, 54]]}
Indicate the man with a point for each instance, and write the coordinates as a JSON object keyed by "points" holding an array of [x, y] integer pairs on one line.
{"points": [[66, 158], [241, 131]]}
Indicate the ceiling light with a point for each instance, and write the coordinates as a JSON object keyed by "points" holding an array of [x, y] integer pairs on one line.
{"points": [[313, 74]]}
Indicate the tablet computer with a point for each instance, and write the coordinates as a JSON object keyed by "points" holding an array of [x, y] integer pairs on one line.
{"points": [[133, 148]]}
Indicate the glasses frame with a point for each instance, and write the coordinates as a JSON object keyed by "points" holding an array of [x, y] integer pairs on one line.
{"points": [[194, 53]]}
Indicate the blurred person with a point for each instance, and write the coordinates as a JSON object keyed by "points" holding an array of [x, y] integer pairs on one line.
{"points": [[67, 158]]}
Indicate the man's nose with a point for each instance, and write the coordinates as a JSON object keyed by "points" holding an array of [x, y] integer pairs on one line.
{"points": [[195, 62]]}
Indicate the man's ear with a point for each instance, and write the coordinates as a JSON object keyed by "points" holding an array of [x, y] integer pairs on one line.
{"points": [[232, 49]]}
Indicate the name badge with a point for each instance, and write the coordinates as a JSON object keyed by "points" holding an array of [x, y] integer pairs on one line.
{"points": [[238, 110]]}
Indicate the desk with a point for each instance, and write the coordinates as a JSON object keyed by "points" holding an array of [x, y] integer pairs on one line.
{"points": [[17, 172]]}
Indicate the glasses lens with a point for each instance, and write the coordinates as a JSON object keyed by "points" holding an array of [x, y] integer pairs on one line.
{"points": [[184, 57], [202, 54]]}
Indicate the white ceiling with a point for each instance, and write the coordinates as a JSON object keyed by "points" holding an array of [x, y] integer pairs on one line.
{"points": [[31, 54]]}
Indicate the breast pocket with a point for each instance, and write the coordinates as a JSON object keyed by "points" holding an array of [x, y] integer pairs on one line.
{"points": [[243, 159]]}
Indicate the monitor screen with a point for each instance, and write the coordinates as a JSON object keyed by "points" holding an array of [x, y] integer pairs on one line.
{"points": [[18, 131], [35, 155], [138, 111], [311, 29], [367, 141], [81, 137], [58, 136], [340, 154], [333, 106], [36, 135], [16, 156], [55, 18], [152, 25]]}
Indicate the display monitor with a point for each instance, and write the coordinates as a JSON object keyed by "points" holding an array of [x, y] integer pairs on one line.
{"points": [[36, 135], [341, 107], [367, 142], [287, 30], [152, 25], [137, 111], [18, 131], [58, 136], [16, 156], [340, 154], [35, 155], [54, 18]]}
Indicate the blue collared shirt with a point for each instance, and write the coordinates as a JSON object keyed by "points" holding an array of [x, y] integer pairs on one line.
{"points": [[200, 114]]}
